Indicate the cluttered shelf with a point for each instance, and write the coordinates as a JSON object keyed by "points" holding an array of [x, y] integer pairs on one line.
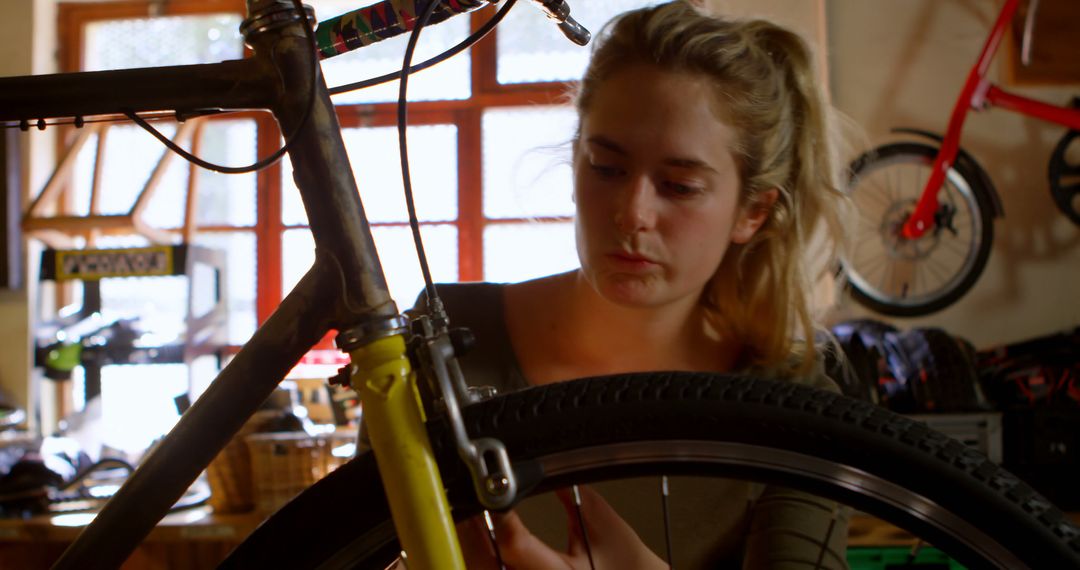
{"points": [[190, 538], [200, 538]]}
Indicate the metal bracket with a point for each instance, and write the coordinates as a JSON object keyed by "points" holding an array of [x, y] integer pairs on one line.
{"points": [[487, 459]]}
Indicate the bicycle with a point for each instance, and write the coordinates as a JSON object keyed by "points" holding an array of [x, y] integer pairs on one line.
{"points": [[438, 461], [927, 209]]}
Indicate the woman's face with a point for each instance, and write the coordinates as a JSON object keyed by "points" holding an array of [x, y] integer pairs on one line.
{"points": [[656, 188]]}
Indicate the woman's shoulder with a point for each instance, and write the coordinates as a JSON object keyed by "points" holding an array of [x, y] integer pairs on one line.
{"points": [[464, 298], [816, 377]]}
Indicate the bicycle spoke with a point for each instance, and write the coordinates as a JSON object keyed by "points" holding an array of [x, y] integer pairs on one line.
{"points": [[915, 549], [879, 192], [874, 261], [581, 523], [899, 281], [895, 183], [954, 246], [490, 524], [667, 521], [916, 181], [943, 275], [915, 280], [885, 278], [828, 535], [865, 231]]}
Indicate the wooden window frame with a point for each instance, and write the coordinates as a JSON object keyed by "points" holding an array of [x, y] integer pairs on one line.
{"points": [[466, 114]]}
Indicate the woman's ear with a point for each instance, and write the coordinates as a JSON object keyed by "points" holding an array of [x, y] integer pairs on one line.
{"points": [[753, 215]]}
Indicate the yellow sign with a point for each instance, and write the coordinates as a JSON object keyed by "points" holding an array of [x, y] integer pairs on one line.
{"points": [[89, 264]]}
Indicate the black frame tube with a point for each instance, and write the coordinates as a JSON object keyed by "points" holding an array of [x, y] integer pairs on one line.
{"points": [[344, 288], [236, 84]]}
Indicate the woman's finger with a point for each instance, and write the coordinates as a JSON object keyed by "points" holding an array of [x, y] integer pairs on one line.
{"points": [[606, 537], [522, 550], [476, 545]]}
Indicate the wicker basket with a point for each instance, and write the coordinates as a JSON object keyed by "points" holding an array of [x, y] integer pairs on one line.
{"points": [[229, 474], [283, 464]]}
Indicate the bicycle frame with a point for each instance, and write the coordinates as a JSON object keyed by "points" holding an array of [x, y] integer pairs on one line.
{"points": [[979, 93], [345, 289]]}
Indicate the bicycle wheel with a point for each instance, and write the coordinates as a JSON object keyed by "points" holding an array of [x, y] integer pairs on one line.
{"points": [[904, 277], [707, 424], [1063, 170]]}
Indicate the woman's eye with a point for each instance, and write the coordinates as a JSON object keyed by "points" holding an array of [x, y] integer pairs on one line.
{"points": [[681, 190], [605, 169]]}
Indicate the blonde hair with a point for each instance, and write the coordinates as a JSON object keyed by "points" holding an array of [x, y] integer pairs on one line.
{"points": [[766, 88]]}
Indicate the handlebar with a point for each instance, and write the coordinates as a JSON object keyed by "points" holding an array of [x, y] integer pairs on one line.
{"points": [[190, 90], [380, 21], [388, 18]]}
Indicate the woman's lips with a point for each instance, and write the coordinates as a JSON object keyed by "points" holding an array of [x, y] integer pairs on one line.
{"points": [[631, 261]]}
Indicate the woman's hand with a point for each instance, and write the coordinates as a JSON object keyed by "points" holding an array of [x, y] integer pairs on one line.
{"points": [[612, 542]]}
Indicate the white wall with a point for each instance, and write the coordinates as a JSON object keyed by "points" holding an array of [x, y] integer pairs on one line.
{"points": [[902, 63], [28, 29]]}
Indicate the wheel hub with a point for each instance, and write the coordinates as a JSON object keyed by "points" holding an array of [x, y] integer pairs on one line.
{"points": [[908, 249]]}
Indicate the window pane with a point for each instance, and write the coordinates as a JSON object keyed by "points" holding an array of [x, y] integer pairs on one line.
{"points": [[550, 248], [297, 255], [448, 80], [158, 303], [166, 207], [527, 162], [161, 302], [139, 397], [227, 199], [531, 48], [223, 199], [241, 271], [131, 155], [176, 40], [373, 155], [396, 252], [398, 256]]}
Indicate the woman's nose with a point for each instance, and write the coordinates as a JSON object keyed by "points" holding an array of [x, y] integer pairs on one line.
{"points": [[636, 208]]}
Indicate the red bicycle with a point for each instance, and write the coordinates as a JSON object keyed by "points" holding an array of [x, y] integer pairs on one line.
{"points": [[926, 210]]}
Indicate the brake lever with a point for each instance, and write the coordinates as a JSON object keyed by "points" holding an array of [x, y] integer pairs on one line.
{"points": [[559, 11]]}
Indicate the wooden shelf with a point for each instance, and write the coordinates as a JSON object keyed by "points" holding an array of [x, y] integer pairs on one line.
{"points": [[198, 538], [190, 539], [866, 530]]}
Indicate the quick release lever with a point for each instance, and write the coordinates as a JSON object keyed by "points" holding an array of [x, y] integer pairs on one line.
{"points": [[559, 11]]}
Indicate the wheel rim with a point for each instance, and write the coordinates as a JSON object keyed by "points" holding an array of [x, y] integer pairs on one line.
{"points": [[745, 458], [725, 459], [911, 273]]}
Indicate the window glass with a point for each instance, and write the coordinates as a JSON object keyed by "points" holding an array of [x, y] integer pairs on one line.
{"points": [[222, 199], [531, 48], [517, 252], [131, 154], [374, 157], [398, 256], [158, 41], [241, 269], [159, 304], [297, 256], [396, 253], [527, 162], [448, 80], [227, 199], [142, 396]]}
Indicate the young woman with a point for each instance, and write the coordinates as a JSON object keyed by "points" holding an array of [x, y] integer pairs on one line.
{"points": [[702, 168]]}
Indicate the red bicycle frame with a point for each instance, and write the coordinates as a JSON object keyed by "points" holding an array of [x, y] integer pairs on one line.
{"points": [[978, 94]]}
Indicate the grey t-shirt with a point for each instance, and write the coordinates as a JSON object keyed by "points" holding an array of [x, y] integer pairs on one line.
{"points": [[479, 308], [715, 523]]}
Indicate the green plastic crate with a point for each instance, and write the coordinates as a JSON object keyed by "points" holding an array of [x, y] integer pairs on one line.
{"points": [[895, 558]]}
